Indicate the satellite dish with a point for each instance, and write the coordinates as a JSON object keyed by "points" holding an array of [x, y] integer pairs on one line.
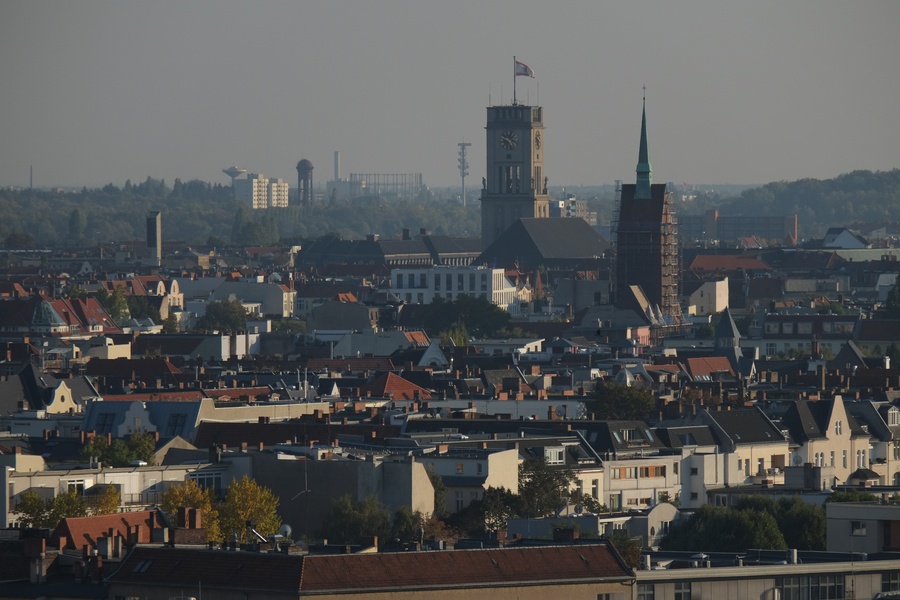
{"points": [[797, 460], [285, 530]]}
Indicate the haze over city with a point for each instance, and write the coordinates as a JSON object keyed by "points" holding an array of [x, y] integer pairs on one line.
{"points": [[100, 92]]}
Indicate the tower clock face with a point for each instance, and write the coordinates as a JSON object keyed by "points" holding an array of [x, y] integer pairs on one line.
{"points": [[509, 139]]}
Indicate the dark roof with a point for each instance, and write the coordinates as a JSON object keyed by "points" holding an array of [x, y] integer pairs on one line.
{"points": [[534, 242], [233, 434], [746, 425]]}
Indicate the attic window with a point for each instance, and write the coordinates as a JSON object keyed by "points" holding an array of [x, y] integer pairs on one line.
{"points": [[893, 417], [142, 566]]}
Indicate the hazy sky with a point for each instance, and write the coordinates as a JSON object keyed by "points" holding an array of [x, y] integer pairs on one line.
{"points": [[737, 92]]}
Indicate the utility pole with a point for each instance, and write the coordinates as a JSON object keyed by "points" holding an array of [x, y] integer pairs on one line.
{"points": [[463, 168]]}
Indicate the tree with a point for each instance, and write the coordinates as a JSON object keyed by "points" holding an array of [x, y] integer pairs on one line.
{"points": [[440, 493], [407, 525], [225, 315], [19, 240], [726, 530], [107, 502], [802, 524], [142, 446], [542, 489], [852, 496], [613, 401], [347, 521], [170, 324], [139, 307], [69, 504], [191, 495], [248, 502], [34, 511], [498, 505], [94, 448], [77, 223], [628, 547], [892, 304]]}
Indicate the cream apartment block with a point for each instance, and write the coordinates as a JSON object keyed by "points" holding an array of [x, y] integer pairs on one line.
{"points": [[421, 285]]}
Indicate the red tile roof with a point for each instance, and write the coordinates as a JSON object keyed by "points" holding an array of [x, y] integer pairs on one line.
{"points": [[390, 385], [81, 531], [703, 366], [355, 573], [727, 262], [455, 568]]}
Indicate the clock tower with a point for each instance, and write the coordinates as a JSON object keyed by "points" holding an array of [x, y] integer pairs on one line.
{"points": [[515, 186]]}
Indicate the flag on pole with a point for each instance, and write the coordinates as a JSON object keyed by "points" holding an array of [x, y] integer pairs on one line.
{"points": [[524, 70]]}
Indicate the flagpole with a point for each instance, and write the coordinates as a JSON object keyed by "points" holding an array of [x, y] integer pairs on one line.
{"points": [[514, 80]]}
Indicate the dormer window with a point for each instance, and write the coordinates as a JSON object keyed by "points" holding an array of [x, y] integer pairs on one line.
{"points": [[893, 417], [838, 427]]}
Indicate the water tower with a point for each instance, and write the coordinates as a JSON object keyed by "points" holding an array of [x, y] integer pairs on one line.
{"points": [[234, 173], [304, 183]]}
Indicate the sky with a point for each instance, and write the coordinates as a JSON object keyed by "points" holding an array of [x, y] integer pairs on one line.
{"points": [[95, 92]]}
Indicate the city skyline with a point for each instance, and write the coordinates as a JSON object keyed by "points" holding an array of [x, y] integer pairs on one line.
{"points": [[101, 92]]}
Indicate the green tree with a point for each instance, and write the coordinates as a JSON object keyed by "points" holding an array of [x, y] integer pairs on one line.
{"points": [[802, 524], [170, 324], [225, 315], [347, 521], [18, 240], [94, 448], [77, 223], [613, 401], [407, 524], [69, 504], [891, 305], [248, 502], [440, 494], [726, 530], [498, 505], [34, 511], [107, 502], [139, 307], [142, 446], [116, 304], [628, 547], [543, 489], [191, 495], [851, 496]]}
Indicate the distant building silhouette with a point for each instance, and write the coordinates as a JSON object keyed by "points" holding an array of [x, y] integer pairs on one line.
{"points": [[154, 238]]}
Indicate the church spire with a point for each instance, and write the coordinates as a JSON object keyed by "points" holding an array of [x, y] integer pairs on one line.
{"points": [[642, 189]]}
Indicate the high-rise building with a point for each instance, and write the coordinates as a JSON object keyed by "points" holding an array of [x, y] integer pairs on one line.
{"points": [[260, 192], [647, 239], [154, 238], [515, 186]]}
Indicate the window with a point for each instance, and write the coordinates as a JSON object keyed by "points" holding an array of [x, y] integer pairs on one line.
{"points": [[459, 501], [175, 426], [694, 496], [838, 427], [105, 422], [832, 458], [399, 280], [142, 566], [694, 471], [479, 468], [896, 450], [890, 582], [893, 417], [410, 280], [423, 280], [675, 468], [858, 528], [460, 282], [459, 468], [844, 457], [645, 591], [208, 481], [437, 283], [595, 489], [812, 587], [682, 590], [75, 485]]}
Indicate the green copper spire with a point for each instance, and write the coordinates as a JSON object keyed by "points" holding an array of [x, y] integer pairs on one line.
{"points": [[642, 189]]}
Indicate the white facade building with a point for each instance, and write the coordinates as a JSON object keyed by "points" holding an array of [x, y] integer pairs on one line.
{"points": [[259, 192], [421, 285]]}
